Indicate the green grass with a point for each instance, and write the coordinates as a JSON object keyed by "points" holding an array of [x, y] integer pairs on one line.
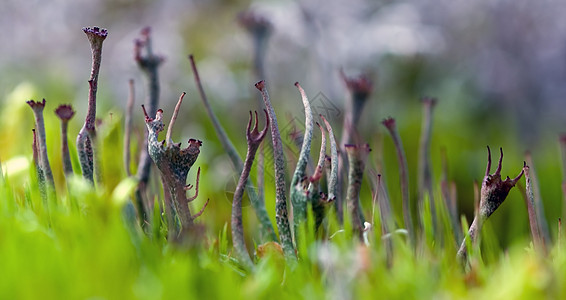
{"points": [[87, 245]]}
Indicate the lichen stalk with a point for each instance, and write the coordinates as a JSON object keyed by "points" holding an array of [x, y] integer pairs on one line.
{"points": [[357, 156], [96, 37], [538, 204], [492, 194], [174, 164], [298, 193], [128, 126], [65, 113], [536, 230], [333, 178], [424, 180], [359, 88], [149, 64], [403, 175], [281, 214], [254, 139], [38, 170], [38, 108], [258, 204], [317, 199]]}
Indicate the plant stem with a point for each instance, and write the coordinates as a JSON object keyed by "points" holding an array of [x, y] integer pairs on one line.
{"points": [[280, 189], [404, 176], [96, 37], [266, 228], [357, 156]]}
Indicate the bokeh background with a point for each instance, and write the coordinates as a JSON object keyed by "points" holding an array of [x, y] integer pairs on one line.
{"points": [[497, 68]]}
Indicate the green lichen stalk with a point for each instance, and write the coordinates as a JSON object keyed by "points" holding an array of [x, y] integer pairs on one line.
{"points": [[298, 192], [281, 214]]}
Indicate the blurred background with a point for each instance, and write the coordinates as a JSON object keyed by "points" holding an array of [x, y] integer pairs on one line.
{"points": [[497, 69]]}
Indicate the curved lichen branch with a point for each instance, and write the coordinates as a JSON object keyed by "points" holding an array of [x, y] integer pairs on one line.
{"points": [[318, 199], [535, 227], [174, 118], [333, 178], [190, 199], [198, 214], [493, 192], [254, 139], [281, 214], [298, 194]]}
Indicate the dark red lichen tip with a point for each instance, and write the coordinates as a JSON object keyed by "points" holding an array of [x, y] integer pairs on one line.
{"points": [[65, 112], [260, 85], [101, 32]]}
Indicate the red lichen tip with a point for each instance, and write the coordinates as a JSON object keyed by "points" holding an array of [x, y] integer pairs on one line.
{"points": [[260, 85], [429, 101], [96, 31], [563, 138], [253, 21], [389, 123], [146, 31], [65, 112], [194, 142], [36, 104], [360, 85]]}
